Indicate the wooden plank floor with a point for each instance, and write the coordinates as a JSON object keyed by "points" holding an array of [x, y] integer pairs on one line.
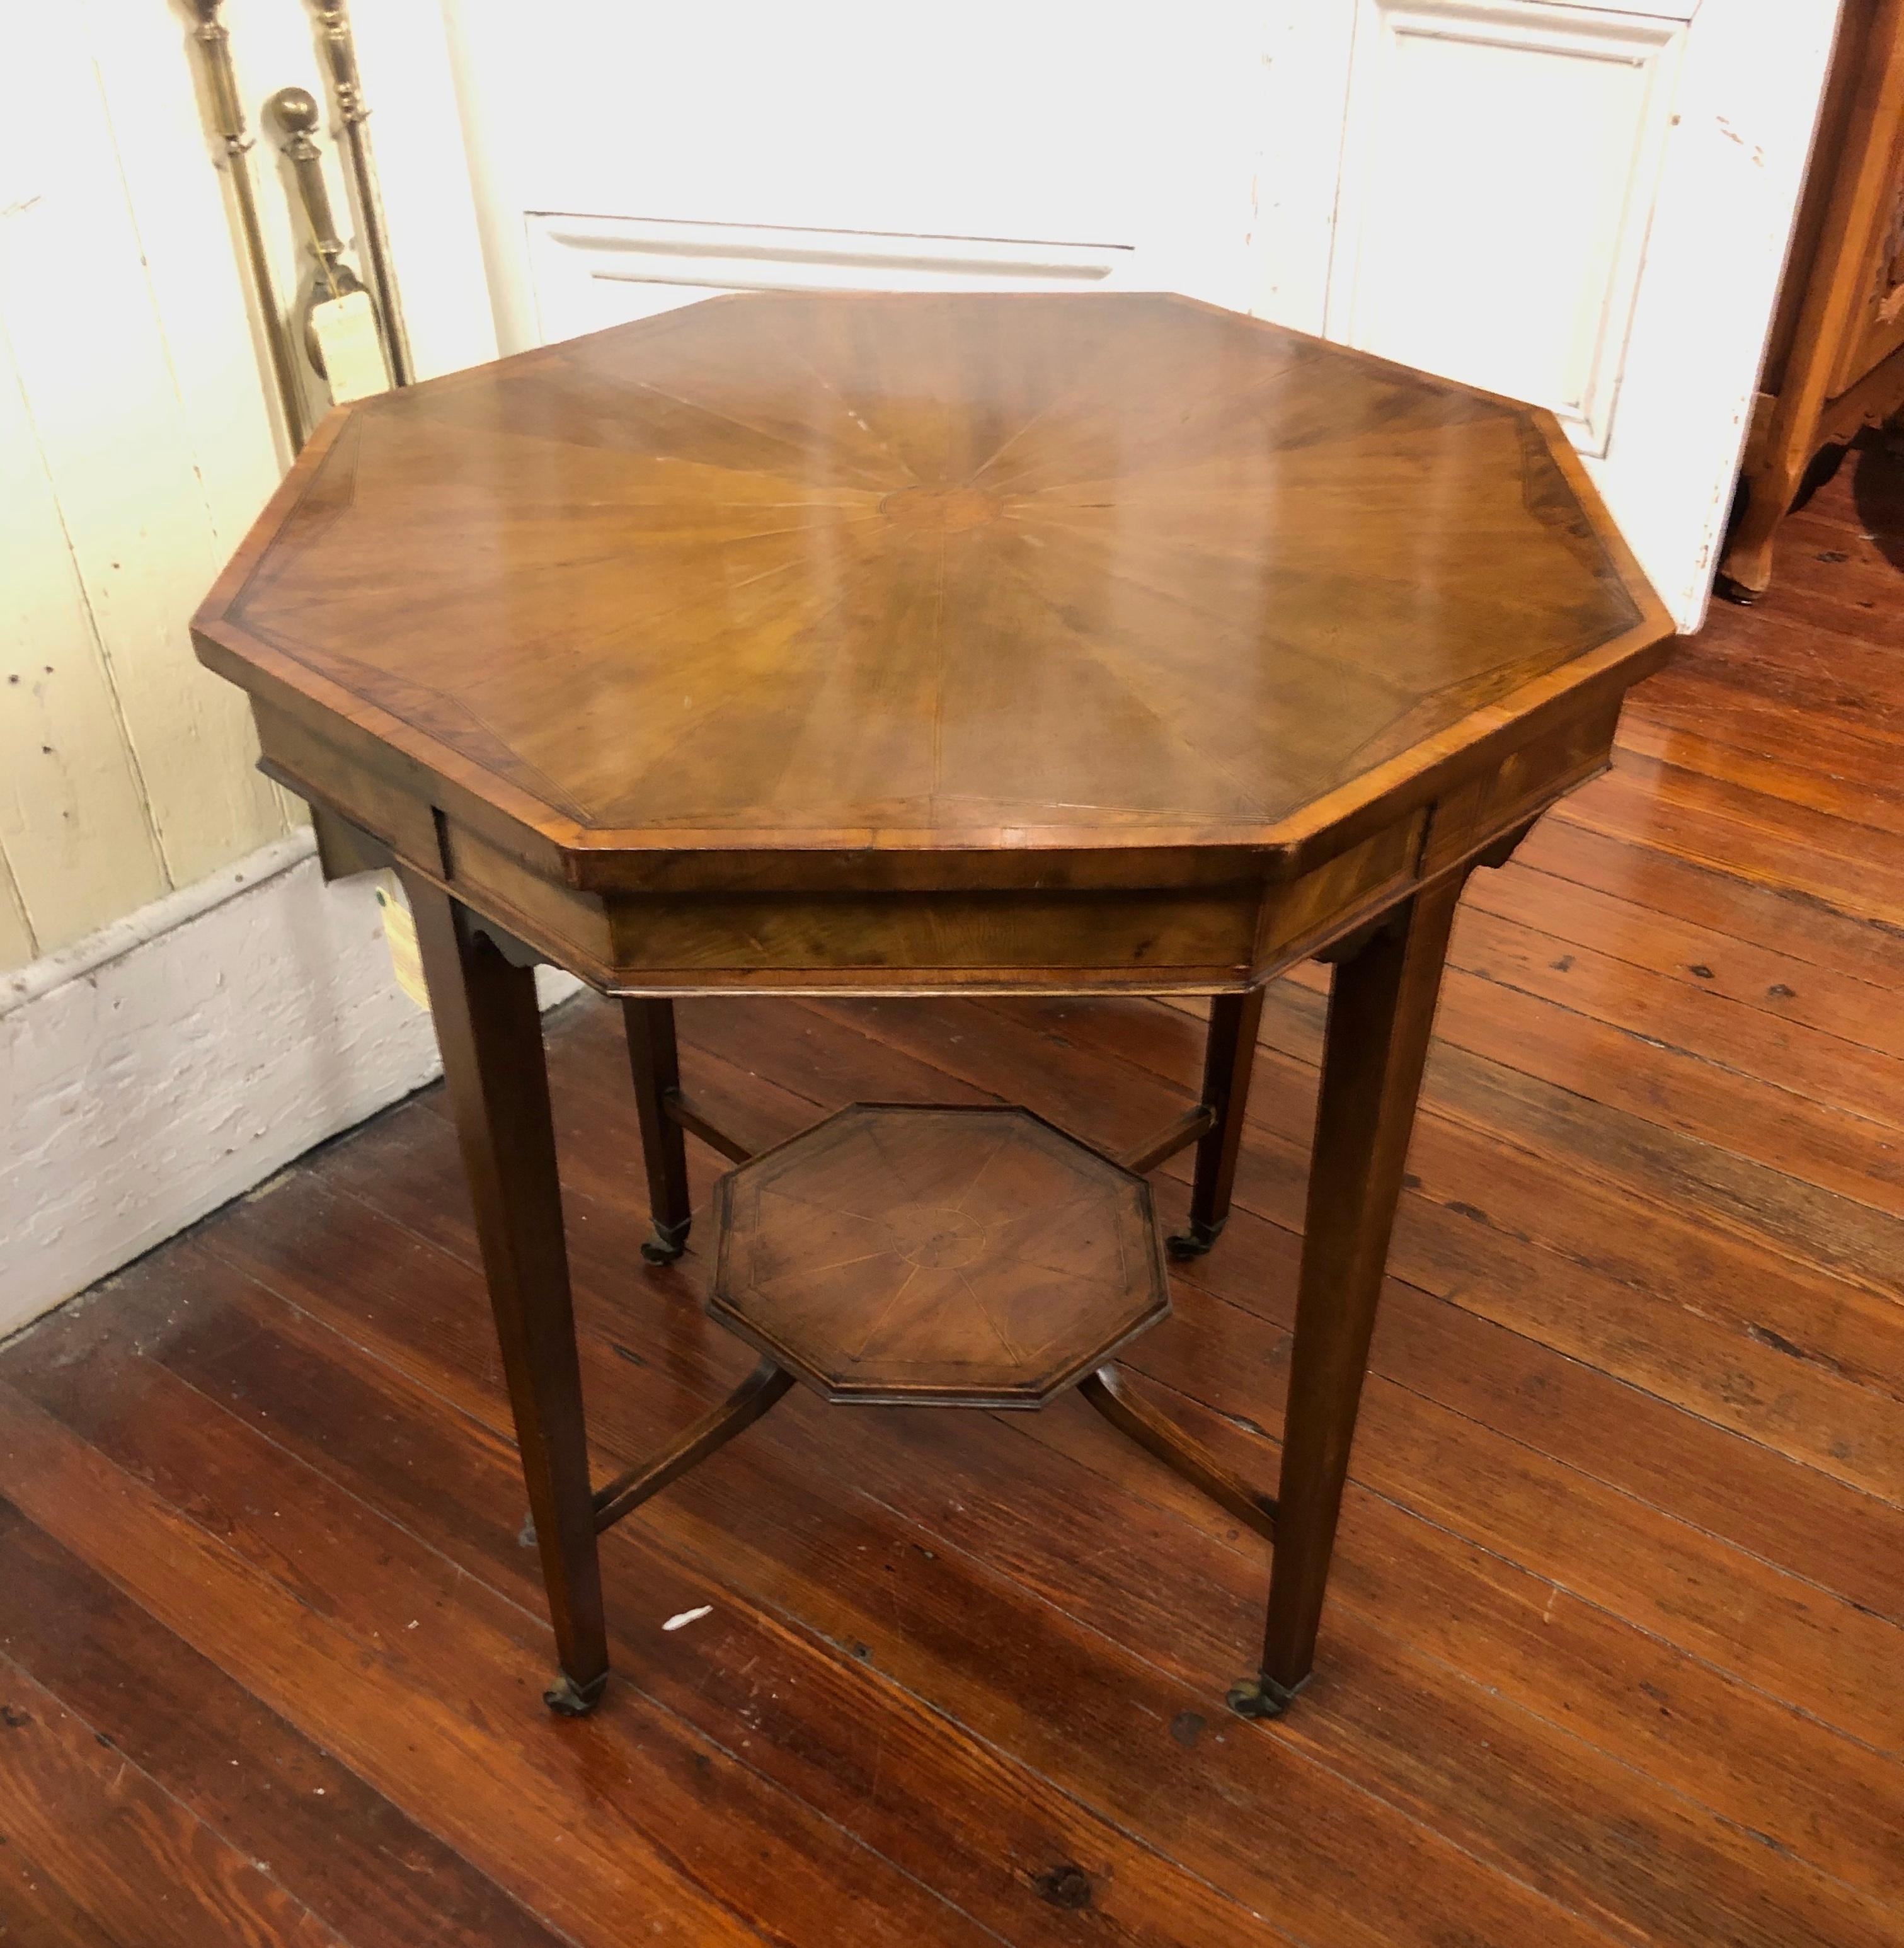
{"points": [[1614, 1654]]}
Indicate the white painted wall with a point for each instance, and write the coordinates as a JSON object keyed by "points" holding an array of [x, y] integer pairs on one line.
{"points": [[188, 1008], [136, 442], [183, 1054]]}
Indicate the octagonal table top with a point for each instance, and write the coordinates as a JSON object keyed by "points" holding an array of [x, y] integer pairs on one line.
{"points": [[930, 572]]}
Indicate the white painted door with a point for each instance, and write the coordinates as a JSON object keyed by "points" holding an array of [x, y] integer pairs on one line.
{"points": [[1587, 206], [1584, 205], [628, 158]]}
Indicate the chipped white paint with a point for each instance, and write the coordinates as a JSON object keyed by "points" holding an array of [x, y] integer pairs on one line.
{"points": [[682, 1618], [182, 1054], [150, 758]]}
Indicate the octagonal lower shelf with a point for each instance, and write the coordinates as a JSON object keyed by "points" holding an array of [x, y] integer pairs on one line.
{"points": [[898, 1253]]}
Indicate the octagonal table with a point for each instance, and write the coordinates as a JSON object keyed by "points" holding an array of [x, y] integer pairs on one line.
{"points": [[934, 644]]}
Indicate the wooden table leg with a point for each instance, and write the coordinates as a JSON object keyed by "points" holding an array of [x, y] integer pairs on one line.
{"points": [[1228, 1057], [1381, 1010], [490, 1030], [655, 1066]]}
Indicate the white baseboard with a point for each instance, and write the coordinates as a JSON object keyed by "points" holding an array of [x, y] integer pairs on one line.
{"points": [[181, 1055]]}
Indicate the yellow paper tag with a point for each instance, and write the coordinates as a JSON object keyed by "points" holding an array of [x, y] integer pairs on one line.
{"points": [[353, 353], [400, 930]]}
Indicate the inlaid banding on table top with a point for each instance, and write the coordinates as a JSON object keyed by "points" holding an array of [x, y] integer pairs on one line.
{"points": [[941, 567]]}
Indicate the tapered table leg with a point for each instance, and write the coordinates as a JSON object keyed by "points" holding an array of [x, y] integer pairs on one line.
{"points": [[1228, 1057], [655, 1066], [491, 1033], [1381, 1009]]}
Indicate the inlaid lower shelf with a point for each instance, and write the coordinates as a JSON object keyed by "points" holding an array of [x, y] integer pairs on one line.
{"points": [[960, 1257]]}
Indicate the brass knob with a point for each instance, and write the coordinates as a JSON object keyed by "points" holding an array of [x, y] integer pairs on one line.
{"points": [[294, 109]]}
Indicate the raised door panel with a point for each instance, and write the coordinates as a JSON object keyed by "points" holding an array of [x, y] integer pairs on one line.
{"points": [[864, 144], [1499, 163], [588, 272]]}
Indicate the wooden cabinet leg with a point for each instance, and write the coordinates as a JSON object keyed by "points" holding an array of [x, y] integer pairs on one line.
{"points": [[1745, 572], [1381, 1009], [490, 1031], [655, 1065], [1228, 1057]]}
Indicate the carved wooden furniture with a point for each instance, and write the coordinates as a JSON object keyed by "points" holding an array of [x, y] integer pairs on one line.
{"points": [[1835, 361], [935, 644]]}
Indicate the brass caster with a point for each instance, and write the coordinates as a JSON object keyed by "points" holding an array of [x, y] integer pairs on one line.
{"points": [[568, 1699], [1197, 1239], [668, 1243], [1262, 1697]]}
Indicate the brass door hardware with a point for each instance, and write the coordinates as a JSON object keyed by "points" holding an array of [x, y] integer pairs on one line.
{"points": [[214, 42], [339, 48], [294, 110]]}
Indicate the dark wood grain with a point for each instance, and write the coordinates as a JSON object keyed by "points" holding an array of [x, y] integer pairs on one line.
{"points": [[655, 1068], [1228, 1058]]}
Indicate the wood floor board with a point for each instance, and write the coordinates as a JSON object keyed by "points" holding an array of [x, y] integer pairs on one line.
{"points": [[1646, 1161], [1779, 1124], [1653, 1293], [1769, 1769], [1032, 1704], [1791, 1639], [1605, 1841], [1614, 1651], [1824, 671], [341, 1849], [901, 1775], [1687, 1018], [1712, 893], [1834, 772], [138, 1865], [1834, 573], [1733, 1595], [590, 1227], [673, 1824], [38, 1913], [1767, 979], [1739, 680], [1820, 1113], [1606, 1681], [1761, 842]]}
